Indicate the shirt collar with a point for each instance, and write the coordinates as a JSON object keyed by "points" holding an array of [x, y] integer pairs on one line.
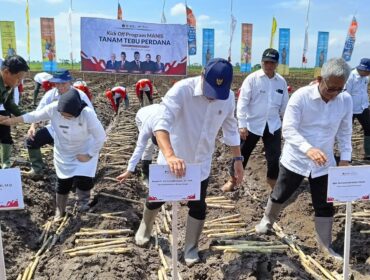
{"points": [[261, 73], [316, 94]]}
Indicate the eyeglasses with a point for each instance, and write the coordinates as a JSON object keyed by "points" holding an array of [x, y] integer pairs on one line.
{"points": [[333, 90]]}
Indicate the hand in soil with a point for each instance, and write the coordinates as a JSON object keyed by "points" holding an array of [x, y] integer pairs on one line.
{"points": [[124, 176]]}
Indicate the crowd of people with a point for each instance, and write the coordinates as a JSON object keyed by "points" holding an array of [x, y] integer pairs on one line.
{"points": [[184, 127]]}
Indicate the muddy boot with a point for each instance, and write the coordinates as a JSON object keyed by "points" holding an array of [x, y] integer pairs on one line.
{"points": [[6, 150], [37, 165], [61, 203], [142, 236], [323, 226], [194, 228], [271, 214], [83, 199], [230, 185], [367, 147]]}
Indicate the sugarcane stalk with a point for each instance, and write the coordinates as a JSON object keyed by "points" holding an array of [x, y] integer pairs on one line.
{"points": [[115, 213], [106, 216], [227, 234], [249, 247], [102, 232], [307, 267], [157, 227], [43, 247], [33, 267], [215, 230], [166, 228], [100, 240], [221, 206], [41, 238], [25, 274], [259, 250], [365, 231], [223, 225], [223, 218], [221, 202], [92, 252], [168, 215], [19, 276], [160, 275], [163, 260], [215, 198], [247, 242], [121, 198], [321, 268], [164, 273], [93, 246], [155, 239], [48, 227]]}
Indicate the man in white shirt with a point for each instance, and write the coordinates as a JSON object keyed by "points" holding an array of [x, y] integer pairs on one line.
{"points": [[194, 110], [261, 105], [356, 86], [146, 119], [316, 117], [36, 139]]}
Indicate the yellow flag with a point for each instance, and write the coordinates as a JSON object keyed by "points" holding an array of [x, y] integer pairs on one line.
{"points": [[28, 28], [273, 31]]}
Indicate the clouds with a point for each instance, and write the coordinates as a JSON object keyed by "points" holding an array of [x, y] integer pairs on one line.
{"points": [[293, 4], [178, 9], [54, 1]]}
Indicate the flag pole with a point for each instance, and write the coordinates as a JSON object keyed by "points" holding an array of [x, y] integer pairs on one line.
{"points": [[70, 32]]}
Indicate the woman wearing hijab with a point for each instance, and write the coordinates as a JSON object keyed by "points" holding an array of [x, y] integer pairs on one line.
{"points": [[78, 138]]}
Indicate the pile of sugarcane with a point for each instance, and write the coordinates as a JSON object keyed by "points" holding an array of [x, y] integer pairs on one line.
{"points": [[309, 263], [249, 246], [220, 202], [360, 217], [228, 226], [48, 238], [116, 243]]}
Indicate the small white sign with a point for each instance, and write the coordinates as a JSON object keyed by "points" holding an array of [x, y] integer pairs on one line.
{"points": [[165, 186], [348, 183], [11, 196]]}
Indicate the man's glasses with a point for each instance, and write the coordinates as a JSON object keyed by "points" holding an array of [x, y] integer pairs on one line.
{"points": [[333, 90]]}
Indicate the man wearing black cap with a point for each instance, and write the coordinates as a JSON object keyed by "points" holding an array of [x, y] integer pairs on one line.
{"points": [[356, 86], [194, 110], [261, 105], [62, 80]]}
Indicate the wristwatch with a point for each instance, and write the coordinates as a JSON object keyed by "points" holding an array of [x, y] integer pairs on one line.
{"points": [[241, 158]]}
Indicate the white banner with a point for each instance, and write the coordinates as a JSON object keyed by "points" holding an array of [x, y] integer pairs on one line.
{"points": [[133, 47], [11, 196]]}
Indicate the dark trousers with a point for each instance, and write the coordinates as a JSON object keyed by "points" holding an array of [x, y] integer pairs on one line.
{"points": [[197, 209], [5, 136], [364, 120], [141, 97], [41, 138], [83, 183], [272, 144], [288, 182]]}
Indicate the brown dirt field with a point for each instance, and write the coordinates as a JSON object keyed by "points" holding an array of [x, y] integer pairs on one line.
{"points": [[21, 229]]}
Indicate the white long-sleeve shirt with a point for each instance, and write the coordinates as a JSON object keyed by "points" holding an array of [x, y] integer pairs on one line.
{"points": [[146, 119], [356, 86], [193, 122], [311, 122], [262, 100], [82, 135], [53, 95]]}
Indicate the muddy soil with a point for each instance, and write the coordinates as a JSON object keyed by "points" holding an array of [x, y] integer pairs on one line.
{"points": [[21, 229]]}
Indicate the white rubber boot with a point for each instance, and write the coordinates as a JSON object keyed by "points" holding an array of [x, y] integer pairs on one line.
{"points": [[83, 199], [142, 236], [324, 227], [194, 228], [61, 203], [271, 214]]}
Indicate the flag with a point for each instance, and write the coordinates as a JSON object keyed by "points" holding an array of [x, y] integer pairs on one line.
{"points": [[350, 40], [28, 29], [192, 38], [163, 18], [119, 12], [70, 32], [273, 31], [305, 44], [232, 29]]}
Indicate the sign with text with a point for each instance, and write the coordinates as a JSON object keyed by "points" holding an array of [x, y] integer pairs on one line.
{"points": [[165, 186], [119, 46], [348, 183], [11, 196]]}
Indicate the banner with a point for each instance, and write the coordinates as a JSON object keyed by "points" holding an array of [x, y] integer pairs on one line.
{"points": [[321, 52], [128, 47], [284, 50], [232, 30], [246, 49], [8, 42], [192, 37], [208, 45], [273, 31], [350, 40], [48, 44]]}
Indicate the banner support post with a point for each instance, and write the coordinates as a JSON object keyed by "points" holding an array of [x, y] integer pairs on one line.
{"points": [[2, 262], [347, 240], [174, 240]]}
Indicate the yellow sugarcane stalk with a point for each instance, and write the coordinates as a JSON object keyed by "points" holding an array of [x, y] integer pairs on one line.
{"points": [[102, 232], [160, 275], [164, 273], [165, 225], [33, 267], [215, 198], [121, 198], [227, 234], [215, 230], [92, 252], [163, 260], [221, 206], [223, 225], [93, 246], [100, 240], [321, 268], [223, 218]]}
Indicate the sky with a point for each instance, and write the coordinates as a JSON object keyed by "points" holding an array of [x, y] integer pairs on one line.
{"points": [[333, 16]]}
